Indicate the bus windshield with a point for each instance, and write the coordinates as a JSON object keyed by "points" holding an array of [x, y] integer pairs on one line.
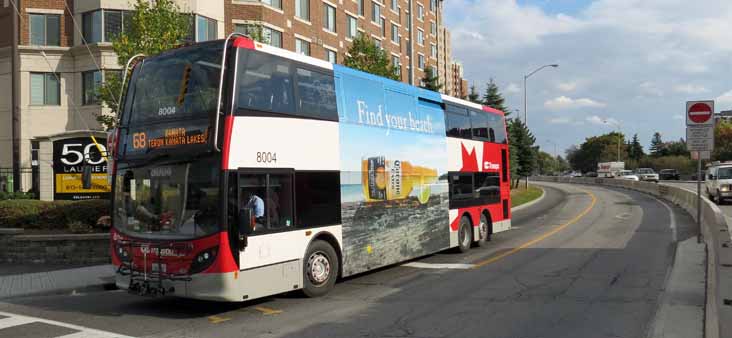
{"points": [[179, 84], [168, 201]]}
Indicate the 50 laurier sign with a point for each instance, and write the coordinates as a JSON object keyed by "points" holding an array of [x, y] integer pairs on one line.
{"points": [[70, 155]]}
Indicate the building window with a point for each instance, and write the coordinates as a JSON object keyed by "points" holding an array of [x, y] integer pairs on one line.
{"points": [[92, 26], [114, 23], [433, 50], [383, 27], [395, 62], [45, 30], [375, 13], [433, 5], [268, 35], [273, 3], [89, 83], [395, 33], [420, 12], [206, 29], [377, 42], [433, 28], [331, 56], [420, 37], [420, 61], [302, 9], [352, 27], [45, 89], [329, 17], [394, 5], [302, 47], [361, 9]]}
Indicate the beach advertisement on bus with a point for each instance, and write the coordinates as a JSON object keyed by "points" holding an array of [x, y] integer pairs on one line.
{"points": [[394, 193]]}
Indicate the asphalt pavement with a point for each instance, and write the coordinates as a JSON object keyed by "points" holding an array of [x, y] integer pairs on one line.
{"points": [[585, 261]]}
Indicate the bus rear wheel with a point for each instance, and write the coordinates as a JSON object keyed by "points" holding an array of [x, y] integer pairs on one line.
{"points": [[483, 231], [320, 269], [465, 235]]}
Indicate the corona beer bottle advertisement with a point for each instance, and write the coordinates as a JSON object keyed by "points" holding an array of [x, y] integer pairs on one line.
{"points": [[393, 168]]}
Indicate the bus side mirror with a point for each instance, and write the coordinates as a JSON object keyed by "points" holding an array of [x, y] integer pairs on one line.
{"points": [[86, 176]]}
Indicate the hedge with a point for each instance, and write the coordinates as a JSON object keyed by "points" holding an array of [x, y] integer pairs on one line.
{"points": [[51, 215]]}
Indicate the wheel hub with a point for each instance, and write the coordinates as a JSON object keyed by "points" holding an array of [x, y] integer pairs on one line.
{"points": [[483, 229], [318, 268]]}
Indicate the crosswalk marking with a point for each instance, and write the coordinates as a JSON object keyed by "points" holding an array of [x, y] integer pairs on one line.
{"points": [[421, 265], [84, 332]]}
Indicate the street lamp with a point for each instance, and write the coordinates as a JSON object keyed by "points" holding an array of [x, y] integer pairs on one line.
{"points": [[526, 77], [617, 124]]}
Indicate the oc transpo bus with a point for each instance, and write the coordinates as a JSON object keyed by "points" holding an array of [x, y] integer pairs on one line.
{"points": [[242, 170]]}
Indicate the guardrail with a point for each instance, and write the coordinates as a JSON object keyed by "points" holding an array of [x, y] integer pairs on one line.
{"points": [[712, 221]]}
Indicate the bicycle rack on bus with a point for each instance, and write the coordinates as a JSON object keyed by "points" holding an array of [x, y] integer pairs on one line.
{"points": [[150, 282]]}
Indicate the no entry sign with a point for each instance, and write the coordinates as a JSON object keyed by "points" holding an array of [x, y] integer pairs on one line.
{"points": [[699, 113]]}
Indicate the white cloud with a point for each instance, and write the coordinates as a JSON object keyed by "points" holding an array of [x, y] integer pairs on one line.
{"points": [[598, 120], [559, 120], [567, 86], [724, 101], [690, 89], [512, 88], [563, 102], [650, 89]]}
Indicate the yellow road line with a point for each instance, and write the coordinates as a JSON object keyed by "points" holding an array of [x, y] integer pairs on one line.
{"points": [[217, 319], [267, 311], [540, 238]]}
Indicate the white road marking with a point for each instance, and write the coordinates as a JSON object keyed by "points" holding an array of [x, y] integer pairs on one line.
{"points": [[673, 219], [15, 320], [421, 265]]}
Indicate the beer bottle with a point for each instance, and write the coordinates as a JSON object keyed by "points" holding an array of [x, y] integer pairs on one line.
{"points": [[386, 180]]}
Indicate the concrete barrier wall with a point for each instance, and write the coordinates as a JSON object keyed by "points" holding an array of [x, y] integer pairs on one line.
{"points": [[712, 221]]}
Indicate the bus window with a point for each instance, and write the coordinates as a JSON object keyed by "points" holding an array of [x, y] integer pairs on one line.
{"points": [[488, 187], [480, 124], [461, 185], [269, 197], [495, 123], [264, 83], [458, 125], [317, 198], [316, 95]]}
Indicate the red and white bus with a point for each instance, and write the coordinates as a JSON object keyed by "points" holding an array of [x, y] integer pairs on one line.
{"points": [[242, 170]]}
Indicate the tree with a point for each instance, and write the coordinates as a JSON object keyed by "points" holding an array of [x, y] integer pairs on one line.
{"points": [[722, 141], [430, 80], [522, 142], [657, 146], [365, 55], [153, 27], [677, 148], [493, 97], [635, 149], [473, 96], [603, 148]]}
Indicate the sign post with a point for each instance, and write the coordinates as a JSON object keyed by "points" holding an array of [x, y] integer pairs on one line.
{"points": [[700, 141]]}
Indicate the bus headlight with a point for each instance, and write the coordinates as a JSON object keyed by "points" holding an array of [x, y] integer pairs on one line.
{"points": [[203, 260], [724, 188]]}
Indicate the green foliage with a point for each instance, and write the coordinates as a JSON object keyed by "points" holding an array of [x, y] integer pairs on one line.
{"points": [[17, 195], [722, 142], [677, 148], [51, 215], [364, 55], [522, 195], [522, 146], [635, 149], [473, 96], [493, 98], [431, 81], [684, 164], [603, 148], [657, 147], [549, 165], [154, 27]]}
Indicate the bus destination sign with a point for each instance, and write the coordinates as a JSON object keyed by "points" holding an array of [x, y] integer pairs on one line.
{"points": [[149, 140]]}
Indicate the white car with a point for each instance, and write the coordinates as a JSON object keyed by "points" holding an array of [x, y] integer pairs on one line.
{"points": [[647, 174], [719, 182], [627, 175]]}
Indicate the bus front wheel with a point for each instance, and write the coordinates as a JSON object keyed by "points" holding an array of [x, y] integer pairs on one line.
{"points": [[320, 269]]}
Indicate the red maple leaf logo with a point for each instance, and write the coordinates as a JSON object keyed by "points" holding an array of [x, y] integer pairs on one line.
{"points": [[470, 161]]}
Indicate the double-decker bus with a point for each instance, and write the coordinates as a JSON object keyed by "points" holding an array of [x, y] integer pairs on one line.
{"points": [[242, 170]]}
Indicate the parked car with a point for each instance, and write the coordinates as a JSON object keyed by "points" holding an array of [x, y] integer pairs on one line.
{"points": [[591, 174], [719, 182], [627, 175], [647, 174], [669, 174]]}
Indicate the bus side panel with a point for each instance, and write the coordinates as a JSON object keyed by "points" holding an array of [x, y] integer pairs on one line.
{"points": [[393, 153]]}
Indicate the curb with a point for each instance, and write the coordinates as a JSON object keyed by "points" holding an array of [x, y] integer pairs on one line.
{"points": [[530, 203]]}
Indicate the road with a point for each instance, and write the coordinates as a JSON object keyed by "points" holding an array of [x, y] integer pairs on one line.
{"points": [[584, 262]]}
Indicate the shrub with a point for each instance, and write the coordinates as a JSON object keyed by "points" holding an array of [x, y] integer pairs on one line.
{"points": [[51, 215], [18, 195], [78, 227]]}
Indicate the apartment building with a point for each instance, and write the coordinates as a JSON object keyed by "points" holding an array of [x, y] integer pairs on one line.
{"points": [[54, 53], [458, 85]]}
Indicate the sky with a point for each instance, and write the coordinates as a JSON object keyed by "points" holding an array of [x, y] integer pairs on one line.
{"points": [[623, 64]]}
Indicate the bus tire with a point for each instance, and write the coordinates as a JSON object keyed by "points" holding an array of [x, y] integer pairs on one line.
{"points": [[465, 235], [484, 229], [320, 269]]}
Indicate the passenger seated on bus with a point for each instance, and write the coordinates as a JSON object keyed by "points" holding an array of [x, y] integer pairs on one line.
{"points": [[256, 204]]}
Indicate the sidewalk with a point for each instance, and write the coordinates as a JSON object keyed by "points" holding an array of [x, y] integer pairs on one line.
{"points": [[55, 281]]}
